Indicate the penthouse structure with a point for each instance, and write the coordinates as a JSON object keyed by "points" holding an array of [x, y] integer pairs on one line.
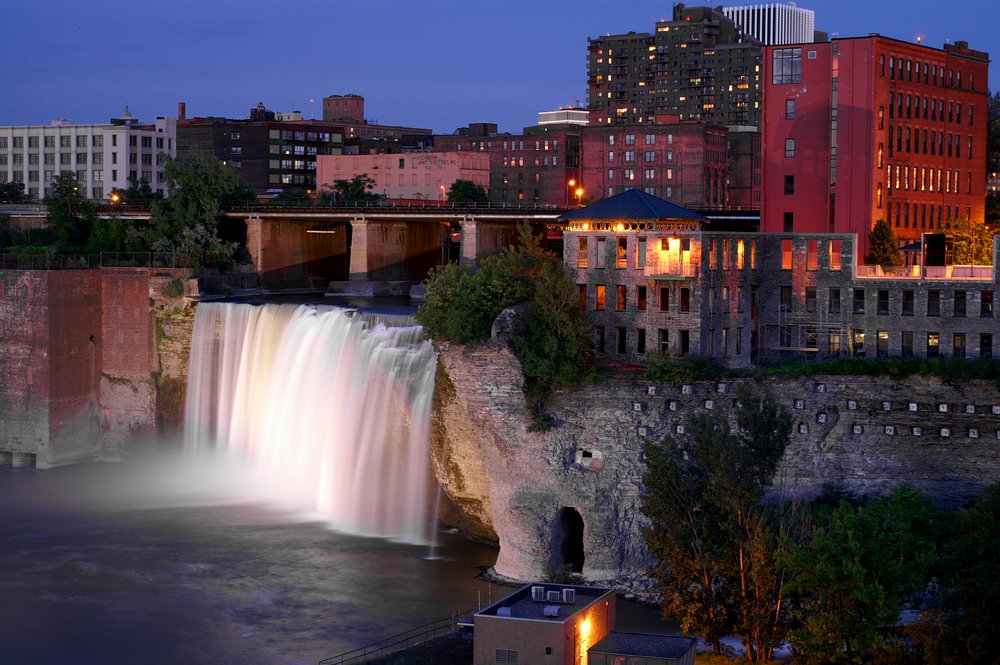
{"points": [[868, 128], [775, 23], [653, 277], [101, 157], [349, 112]]}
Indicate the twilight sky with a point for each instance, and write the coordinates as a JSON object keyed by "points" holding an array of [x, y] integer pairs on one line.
{"points": [[433, 63]]}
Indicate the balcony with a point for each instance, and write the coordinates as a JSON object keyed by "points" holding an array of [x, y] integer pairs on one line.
{"points": [[663, 268], [954, 272]]}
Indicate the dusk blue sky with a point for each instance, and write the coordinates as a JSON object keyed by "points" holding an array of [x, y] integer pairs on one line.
{"points": [[438, 63]]}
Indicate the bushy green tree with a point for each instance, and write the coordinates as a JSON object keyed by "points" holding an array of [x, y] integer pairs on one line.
{"points": [[552, 342], [855, 572], [466, 191], [188, 220], [70, 214], [883, 247], [715, 543], [11, 191], [355, 190], [972, 243]]}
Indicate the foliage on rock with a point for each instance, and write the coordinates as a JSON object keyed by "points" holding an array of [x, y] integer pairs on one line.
{"points": [[553, 344]]}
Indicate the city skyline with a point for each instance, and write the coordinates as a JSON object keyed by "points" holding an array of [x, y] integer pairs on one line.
{"points": [[438, 64]]}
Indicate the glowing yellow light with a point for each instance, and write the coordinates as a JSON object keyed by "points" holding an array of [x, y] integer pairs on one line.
{"points": [[579, 192], [572, 182], [619, 227], [586, 226]]}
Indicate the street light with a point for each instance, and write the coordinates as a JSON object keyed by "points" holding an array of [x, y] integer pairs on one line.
{"points": [[569, 185], [579, 196]]}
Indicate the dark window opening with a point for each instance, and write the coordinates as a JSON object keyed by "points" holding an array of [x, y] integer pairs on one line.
{"points": [[567, 541]]}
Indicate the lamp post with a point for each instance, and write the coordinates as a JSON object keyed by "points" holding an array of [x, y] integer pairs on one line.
{"points": [[579, 196], [569, 186]]}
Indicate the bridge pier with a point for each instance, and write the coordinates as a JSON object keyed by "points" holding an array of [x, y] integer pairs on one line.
{"points": [[393, 250], [481, 239], [289, 251]]}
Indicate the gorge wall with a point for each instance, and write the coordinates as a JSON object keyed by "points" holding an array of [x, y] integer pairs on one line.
{"points": [[513, 486]]}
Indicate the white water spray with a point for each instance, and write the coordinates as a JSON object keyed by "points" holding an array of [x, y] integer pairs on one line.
{"points": [[329, 408]]}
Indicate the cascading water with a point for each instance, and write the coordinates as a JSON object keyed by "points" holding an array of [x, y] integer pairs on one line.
{"points": [[328, 407]]}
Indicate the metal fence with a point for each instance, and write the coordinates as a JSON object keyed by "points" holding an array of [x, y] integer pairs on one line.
{"points": [[411, 637], [52, 261]]}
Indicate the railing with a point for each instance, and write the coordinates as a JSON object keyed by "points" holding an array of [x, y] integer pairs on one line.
{"points": [[409, 638], [50, 261], [382, 204], [928, 272], [670, 269]]}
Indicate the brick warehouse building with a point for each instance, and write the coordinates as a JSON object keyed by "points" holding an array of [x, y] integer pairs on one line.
{"points": [[652, 277], [868, 128], [534, 167], [683, 162]]}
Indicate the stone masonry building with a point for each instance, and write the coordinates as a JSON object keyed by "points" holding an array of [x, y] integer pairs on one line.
{"points": [[653, 277]]}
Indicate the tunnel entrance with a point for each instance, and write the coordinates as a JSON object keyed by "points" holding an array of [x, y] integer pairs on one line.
{"points": [[567, 541]]}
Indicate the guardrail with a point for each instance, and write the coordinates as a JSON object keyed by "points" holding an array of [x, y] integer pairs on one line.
{"points": [[51, 261], [959, 272], [399, 641]]}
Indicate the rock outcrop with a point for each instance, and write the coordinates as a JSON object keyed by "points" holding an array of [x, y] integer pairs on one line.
{"points": [[866, 433]]}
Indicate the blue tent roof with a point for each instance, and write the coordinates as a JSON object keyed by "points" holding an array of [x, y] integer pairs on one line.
{"points": [[632, 204]]}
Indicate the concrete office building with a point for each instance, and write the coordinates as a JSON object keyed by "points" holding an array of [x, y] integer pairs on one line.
{"points": [[102, 157]]}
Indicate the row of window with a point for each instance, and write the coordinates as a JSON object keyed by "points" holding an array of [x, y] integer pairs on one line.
{"points": [[69, 158], [544, 161], [80, 141], [96, 175], [912, 142], [620, 342], [922, 179], [648, 156], [681, 296], [906, 349], [961, 302], [647, 174], [932, 109], [925, 220], [930, 72]]}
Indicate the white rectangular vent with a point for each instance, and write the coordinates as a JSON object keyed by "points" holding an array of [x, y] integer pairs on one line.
{"points": [[538, 593], [569, 595], [553, 596], [504, 612]]}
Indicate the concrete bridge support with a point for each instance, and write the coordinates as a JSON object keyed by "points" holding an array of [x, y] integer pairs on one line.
{"points": [[297, 251], [22, 460], [388, 251], [6, 458], [481, 239]]}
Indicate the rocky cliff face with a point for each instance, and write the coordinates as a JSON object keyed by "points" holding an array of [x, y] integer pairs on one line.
{"points": [[866, 433]]}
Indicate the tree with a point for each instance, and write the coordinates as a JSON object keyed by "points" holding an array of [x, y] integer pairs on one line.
{"points": [[993, 133], [138, 192], [883, 247], [466, 191], [188, 221], [972, 243], [854, 573], [356, 190], [715, 544], [291, 197], [552, 343], [70, 214], [11, 191]]}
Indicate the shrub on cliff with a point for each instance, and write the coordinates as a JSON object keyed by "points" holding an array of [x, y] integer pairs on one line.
{"points": [[553, 344]]}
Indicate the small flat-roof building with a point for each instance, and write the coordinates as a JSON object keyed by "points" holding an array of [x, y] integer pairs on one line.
{"points": [[547, 624], [642, 649]]}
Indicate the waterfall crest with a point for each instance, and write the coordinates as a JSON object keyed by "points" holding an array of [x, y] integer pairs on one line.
{"points": [[330, 408]]}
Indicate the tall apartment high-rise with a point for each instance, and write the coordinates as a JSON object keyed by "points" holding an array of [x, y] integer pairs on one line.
{"points": [[102, 157], [699, 66], [775, 23], [868, 128]]}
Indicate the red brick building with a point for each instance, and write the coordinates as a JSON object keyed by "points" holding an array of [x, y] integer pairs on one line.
{"points": [[862, 129], [534, 167], [683, 162]]}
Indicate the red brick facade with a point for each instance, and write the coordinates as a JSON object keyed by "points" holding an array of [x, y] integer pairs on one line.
{"points": [[682, 162], [909, 125]]}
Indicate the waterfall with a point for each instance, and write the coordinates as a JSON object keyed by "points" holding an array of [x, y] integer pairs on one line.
{"points": [[329, 408]]}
